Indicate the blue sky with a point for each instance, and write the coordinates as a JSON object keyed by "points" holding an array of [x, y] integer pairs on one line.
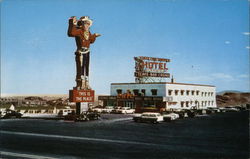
{"points": [[206, 40]]}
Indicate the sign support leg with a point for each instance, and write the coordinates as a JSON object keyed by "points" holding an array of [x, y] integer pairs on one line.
{"points": [[81, 107]]}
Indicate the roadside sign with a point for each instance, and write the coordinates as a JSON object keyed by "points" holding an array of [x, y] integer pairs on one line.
{"points": [[81, 95]]}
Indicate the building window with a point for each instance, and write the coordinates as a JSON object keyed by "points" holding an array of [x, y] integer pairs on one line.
{"points": [[182, 92], [182, 104], [212, 102], [205, 94], [176, 92], [202, 94], [143, 92], [154, 92], [136, 92], [196, 103], [170, 92], [119, 91], [193, 93], [212, 93], [187, 104], [197, 93], [188, 93], [208, 94]]}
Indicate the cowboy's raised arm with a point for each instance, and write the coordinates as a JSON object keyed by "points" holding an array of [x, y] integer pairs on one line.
{"points": [[72, 29]]}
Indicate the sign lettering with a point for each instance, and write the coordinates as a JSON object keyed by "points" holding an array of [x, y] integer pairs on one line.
{"points": [[151, 67], [81, 96]]}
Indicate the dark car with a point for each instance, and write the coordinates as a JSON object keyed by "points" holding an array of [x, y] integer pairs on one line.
{"points": [[191, 113], [182, 114], [137, 118], [71, 116], [93, 115], [201, 111], [12, 114], [86, 116]]}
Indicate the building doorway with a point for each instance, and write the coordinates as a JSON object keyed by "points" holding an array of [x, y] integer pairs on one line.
{"points": [[129, 104]]}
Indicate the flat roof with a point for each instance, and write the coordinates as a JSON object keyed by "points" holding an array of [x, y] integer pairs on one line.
{"points": [[164, 83]]}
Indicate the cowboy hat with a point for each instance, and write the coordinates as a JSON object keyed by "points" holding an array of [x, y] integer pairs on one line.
{"points": [[86, 18]]}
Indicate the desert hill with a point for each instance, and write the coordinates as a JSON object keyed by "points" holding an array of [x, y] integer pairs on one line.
{"points": [[232, 99]]}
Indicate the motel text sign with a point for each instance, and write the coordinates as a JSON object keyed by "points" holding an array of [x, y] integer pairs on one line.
{"points": [[151, 67]]}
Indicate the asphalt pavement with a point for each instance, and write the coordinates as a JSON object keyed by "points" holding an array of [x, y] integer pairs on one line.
{"points": [[221, 135]]}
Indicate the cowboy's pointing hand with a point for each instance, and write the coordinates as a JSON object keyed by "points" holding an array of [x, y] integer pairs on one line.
{"points": [[96, 34]]}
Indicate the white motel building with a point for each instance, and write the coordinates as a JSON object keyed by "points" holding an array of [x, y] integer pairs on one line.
{"points": [[158, 95]]}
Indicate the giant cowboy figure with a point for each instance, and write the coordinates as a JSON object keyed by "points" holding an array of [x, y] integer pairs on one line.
{"points": [[80, 30]]}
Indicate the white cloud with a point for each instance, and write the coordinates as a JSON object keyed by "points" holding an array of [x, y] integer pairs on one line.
{"points": [[247, 47], [222, 76], [199, 78], [243, 76], [246, 33], [211, 77], [227, 42]]}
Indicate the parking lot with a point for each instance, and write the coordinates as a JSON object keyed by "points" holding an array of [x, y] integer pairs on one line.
{"points": [[220, 135]]}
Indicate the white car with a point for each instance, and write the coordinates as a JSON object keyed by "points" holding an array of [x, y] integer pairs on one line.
{"points": [[170, 116], [231, 109], [151, 117], [64, 112], [107, 109], [126, 110], [98, 110]]}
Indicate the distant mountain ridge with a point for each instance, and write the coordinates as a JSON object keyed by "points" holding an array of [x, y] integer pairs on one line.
{"points": [[232, 98], [229, 91]]}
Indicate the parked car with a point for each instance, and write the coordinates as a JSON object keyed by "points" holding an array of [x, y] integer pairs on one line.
{"points": [[170, 116], [240, 108], [151, 117], [191, 113], [93, 115], [89, 115], [222, 110], [107, 109], [116, 109], [214, 109], [2, 114], [231, 109], [182, 113], [125, 110], [211, 110], [201, 111], [62, 113], [71, 116], [12, 114], [97, 109], [137, 118]]}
